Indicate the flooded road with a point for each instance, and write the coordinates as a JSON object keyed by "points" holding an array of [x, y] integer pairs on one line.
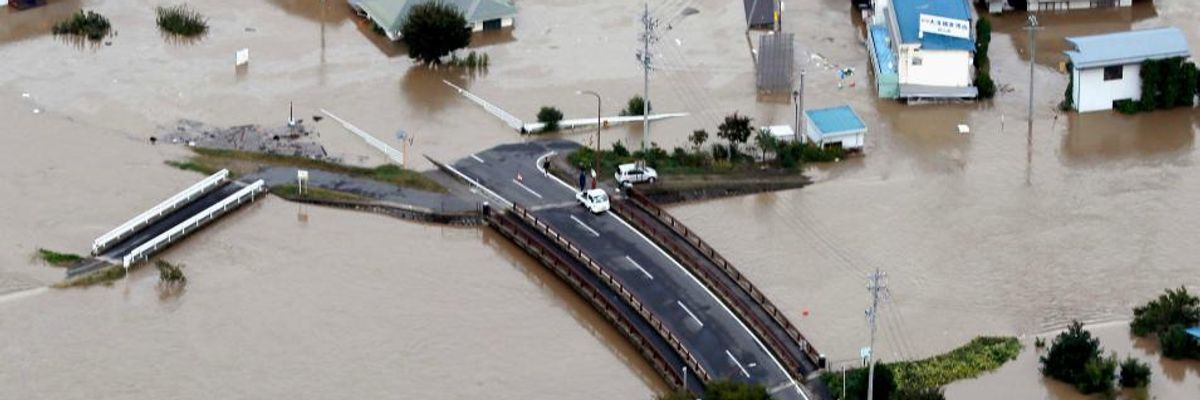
{"points": [[996, 232]]}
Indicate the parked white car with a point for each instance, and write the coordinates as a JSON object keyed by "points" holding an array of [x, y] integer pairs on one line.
{"points": [[628, 174], [594, 200]]}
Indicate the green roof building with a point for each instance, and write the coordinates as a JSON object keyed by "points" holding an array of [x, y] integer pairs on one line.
{"points": [[481, 15]]}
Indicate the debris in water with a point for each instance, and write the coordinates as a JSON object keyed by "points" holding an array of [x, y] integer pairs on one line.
{"points": [[963, 129], [25, 95], [37, 111]]}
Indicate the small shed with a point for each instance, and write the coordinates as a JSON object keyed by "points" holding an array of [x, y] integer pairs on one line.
{"points": [[835, 127], [1106, 68]]}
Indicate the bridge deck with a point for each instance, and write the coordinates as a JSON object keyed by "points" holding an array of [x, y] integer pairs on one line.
{"points": [[721, 342], [119, 250]]}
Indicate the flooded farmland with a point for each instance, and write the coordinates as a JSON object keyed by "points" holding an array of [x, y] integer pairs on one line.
{"points": [[995, 232]]}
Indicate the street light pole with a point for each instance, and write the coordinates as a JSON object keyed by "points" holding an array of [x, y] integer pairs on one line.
{"points": [[596, 156]]}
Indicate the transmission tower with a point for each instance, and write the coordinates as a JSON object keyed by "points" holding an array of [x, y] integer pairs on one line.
{"points": [[875, 286]]}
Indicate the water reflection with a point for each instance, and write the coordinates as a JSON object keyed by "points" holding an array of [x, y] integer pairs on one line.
{"points": [[335, 12], [424, 90], [1110, 136], [1058, 25], [580, 310]]}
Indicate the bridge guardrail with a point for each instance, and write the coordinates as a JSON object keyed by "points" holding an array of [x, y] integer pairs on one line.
{"points": [[193, 222], [725, 266], [615, 284], [166, 206], [590, 293]]}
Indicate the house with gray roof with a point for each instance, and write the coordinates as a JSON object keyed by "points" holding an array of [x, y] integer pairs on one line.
{"points": [[481, 15], [1106, 68]]}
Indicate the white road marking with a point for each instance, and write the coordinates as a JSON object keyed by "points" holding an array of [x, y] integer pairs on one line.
{"points": [[780, 388], [689, 312], [714, 297], [477, 159], [639, 267], [738, 363], [522, 185], [585, 226]]}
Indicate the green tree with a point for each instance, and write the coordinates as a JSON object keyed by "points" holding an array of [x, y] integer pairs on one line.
{"points": [[766, 142], [1150, 85], [1134, 373], [735, 129], [1177, 344], [1171, 308], [549, 116], [1098, 375], [857, 384], [676, 395], [734, 390], [1070, 353], [635, 106], [697, 138], [434, 29], [983, 40], [987, 87]]}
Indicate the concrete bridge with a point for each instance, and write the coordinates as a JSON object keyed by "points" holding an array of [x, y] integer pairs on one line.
{"points": [[690, 313], [168, 222]]}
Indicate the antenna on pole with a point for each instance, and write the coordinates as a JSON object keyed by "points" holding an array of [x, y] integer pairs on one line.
{"points": [[875, 286]]}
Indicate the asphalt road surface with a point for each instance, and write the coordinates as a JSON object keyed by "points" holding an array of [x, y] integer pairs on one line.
{"points": [[722, 344]]}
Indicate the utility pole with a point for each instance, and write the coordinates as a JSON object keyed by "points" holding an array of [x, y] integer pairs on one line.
{"points": [[875, 286], [649, 24], [799, 100], [1032, 28]]}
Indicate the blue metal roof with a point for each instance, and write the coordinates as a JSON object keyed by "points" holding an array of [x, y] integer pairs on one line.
{"points": [[835, 120], [1194, 331], [1127, 47], [884, 56], [908, 19]]}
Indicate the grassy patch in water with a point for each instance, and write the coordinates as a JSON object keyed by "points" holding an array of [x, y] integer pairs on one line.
{"points": [[57, 259], [244, 162], [88, 24], [292, 192], [181, 20], [103, 276], [980, 355]]}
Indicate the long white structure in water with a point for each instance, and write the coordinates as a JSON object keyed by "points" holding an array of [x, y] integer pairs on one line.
{"points": [[391, 153], [180, 230], [158, 211]]}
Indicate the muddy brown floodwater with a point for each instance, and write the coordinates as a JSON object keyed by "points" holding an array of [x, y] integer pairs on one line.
{"points": [[995, 232]]}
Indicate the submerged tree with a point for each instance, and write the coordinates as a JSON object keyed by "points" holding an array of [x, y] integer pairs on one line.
{"points": [[434, 29]]}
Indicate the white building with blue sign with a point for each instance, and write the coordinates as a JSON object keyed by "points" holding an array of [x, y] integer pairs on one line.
{"points": [[930, 48]]}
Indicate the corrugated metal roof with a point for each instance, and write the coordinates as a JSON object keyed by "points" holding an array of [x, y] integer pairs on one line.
{"points": [[908, 18], [835, 120], [886, 59], [1127, 47]]}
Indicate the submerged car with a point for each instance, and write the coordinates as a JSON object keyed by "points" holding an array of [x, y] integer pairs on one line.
{"points": [[629, 174], [594, 200]]}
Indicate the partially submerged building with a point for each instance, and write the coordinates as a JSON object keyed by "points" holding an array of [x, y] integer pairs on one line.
{"points": [[1107, 68], [998, 6], [923, 49], [835, 127], [481, 15]]}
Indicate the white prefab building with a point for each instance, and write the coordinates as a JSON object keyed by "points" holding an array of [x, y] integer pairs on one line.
{"points": [[835, 127], [1061, 5], [933, 43], [1106, 68]]}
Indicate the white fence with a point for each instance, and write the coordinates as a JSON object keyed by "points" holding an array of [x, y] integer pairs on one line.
{"points": [[509, 119], [388, 151], [196, 221], [168, 205]]}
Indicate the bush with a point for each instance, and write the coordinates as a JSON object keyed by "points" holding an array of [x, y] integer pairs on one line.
{"points": [[983, 82], [472, 60], [1074, 358], [170, 273], [857, 382], [636, 106], [1175, 307], [181, 20], [927, 393], [1127, 106], [89, 24], [1177, 344], [550, 116], [434, 29], [58, 259], [1134, 373], [619, 149], [733, 390], [735, 129]]}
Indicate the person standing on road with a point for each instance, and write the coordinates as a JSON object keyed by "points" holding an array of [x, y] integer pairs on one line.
{"points": [[582, 180], [546, 166]]}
